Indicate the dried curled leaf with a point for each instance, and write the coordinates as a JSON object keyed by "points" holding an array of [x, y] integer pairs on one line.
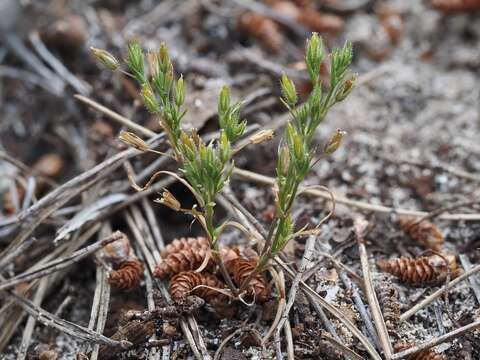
{"points": [[388, 298], [128, 275], [188, 254], [452, 6], [429, 354], [240, 269], [425, 233], [425, 270], [263, 29], [200, 284]]}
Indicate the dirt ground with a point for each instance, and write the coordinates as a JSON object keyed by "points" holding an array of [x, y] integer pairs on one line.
{"points": [[412, 143]]}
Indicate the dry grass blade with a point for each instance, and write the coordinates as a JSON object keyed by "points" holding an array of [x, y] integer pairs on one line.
{"points": [[50, 320], [252, 176], [59, 264], [37, 213], [360, 226], [295, 284], [429, 299], [314, 295], [112, 114], [437, 340]]}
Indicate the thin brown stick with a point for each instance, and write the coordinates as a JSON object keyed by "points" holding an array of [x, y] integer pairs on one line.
{"points": [[252, 176], [360, 227], [116, 116]]}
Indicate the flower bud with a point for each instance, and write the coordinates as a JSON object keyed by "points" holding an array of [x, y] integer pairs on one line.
{"points": [[289, 92], [224, 100], [314, 56], [283, 161], [179, 92], [149, 100], [224, 147], [107, 59], [164, 58]]}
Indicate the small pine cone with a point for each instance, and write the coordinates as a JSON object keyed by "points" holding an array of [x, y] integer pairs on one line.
{"points": [[388, 299], [453, 6], [263, 29], [184, 283], [189, 258], [425, 270], [184, 243], [127, 277], [240, 268], [425, 233], [322, 23], [429, 354], [183, 260]]}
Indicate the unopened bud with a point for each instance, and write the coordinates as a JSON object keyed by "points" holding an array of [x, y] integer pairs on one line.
{"points": [[107, 59], [149, 100], [133, 140], [164, 58], [283, 160], [179, 92], [334, 143], [224, 100], [289, 92]]}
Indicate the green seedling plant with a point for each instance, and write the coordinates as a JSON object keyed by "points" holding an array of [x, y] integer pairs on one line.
{"points": [[207, 167], [297, 155]]}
